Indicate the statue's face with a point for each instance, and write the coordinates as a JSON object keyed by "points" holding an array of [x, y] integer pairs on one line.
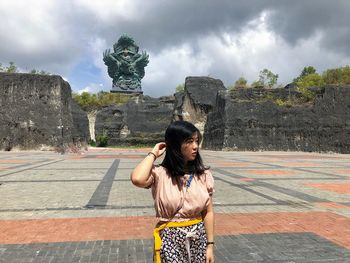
{"points": [[125, 52], [128, 52]]}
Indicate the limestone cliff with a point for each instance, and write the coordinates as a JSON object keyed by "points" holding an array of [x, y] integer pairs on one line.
{"points": [[244, 120], [142, 120], [37, 110], [197, 100]]}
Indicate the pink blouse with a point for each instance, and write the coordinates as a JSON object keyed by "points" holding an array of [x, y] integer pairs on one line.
{"points": [[168, 193]]}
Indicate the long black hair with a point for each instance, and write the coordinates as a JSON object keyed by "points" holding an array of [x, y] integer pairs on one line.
{"points": [[175, 135]]}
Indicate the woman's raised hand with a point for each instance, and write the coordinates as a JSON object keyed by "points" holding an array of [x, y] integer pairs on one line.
{"points": [[159, 149], [141, 175]]}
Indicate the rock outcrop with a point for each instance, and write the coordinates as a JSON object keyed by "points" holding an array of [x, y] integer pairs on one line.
{"points": [[37, 110], [197, 100], [81, 132], [244, 120], [142, 120]]}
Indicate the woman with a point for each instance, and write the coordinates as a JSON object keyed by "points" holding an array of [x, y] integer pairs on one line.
{"points": [[181, 187]]}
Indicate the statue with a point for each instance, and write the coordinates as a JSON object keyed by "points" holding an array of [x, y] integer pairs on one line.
{"points": [[126, 65]]}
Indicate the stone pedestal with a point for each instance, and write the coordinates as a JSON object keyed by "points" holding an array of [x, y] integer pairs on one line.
{"points": [[116, 89]]}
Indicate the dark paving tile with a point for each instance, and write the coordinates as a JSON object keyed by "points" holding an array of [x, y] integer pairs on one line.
{"points": [[269, 248]]}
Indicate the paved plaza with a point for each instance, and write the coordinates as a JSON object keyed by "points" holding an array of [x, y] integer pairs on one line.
{"points": [[270, 207]]}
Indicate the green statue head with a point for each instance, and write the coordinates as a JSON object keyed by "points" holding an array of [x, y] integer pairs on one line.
{"points": [[125, 43]]}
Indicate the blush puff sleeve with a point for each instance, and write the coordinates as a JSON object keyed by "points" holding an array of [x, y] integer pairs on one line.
{"points": [[209, 181], [154, 175]]}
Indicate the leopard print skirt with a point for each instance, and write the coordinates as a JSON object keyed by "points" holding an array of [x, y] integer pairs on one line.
{"points": [[174, 249]]}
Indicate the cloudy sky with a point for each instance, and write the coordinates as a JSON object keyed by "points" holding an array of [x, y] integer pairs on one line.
{"points": [[224, 39]]}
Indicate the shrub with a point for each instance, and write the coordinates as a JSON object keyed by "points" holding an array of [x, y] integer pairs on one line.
{"points": [[180, 88], [88, 101], [338, 76], [241, 83], [102, 140], [283, 103], [308, 81], [92, 142]]}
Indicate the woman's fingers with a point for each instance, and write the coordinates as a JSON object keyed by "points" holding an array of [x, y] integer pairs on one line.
{"points": [[159, 148], [162, 148], [162, 151], [162, 145]]}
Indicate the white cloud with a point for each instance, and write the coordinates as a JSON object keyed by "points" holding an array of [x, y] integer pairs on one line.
{"points": [[34, 26], [170, 67], [38, 34], [256, 47], [96, 47], [61, 36], [226, 57], [86, 89], [92, 88]]}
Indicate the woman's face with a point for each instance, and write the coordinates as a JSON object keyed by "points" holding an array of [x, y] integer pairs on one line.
{"points": [[189, 148]]}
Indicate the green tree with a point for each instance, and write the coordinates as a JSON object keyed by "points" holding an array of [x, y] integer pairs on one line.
{"points": [[311, 80], [268, 78], [306, 71], [108, 98], [1, 68], [180, 88], [12, 68], [338, 76], [88, 101], [308, 81]]}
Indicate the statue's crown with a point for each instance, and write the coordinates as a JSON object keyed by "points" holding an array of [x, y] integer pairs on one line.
{"points": [[125, 42]]}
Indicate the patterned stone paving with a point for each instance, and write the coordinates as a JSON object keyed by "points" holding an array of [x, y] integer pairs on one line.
{"points": [[270, 207]]}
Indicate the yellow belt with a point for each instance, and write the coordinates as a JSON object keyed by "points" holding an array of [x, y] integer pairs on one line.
{"points": [[158, 240]]}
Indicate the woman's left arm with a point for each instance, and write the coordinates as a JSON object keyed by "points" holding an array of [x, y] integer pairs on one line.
{"points": [[208, 218]]}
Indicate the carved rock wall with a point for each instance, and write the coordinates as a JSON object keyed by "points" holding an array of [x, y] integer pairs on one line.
{"points": [[197, 100], [240, 122], [143, 120], [81, 132], [37, 110]]}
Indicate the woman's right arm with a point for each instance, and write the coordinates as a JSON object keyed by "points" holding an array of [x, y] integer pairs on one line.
{"points": [[141, 174]]}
